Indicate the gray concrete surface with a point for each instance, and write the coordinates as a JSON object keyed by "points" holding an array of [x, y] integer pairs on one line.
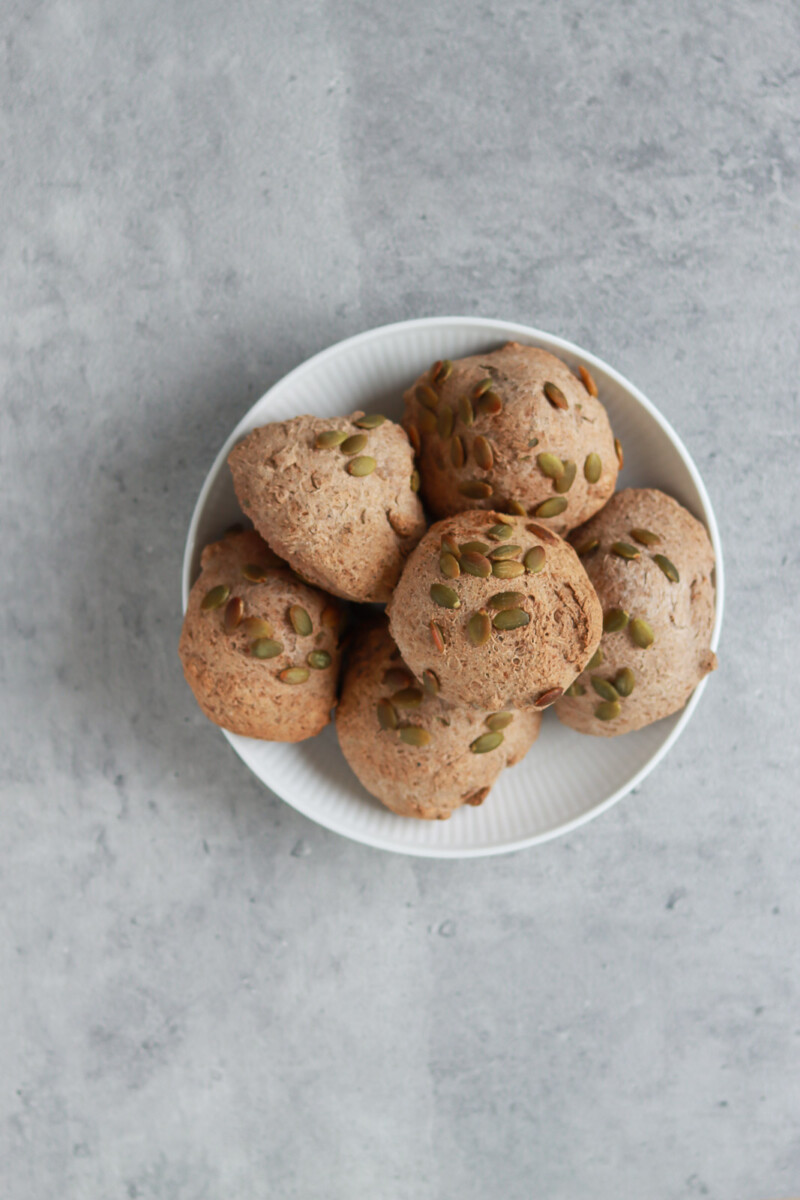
{"points": [[205, 995]]}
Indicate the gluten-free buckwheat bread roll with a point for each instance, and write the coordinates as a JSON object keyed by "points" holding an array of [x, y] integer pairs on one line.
{"points": [[259, 647], [652, 564], [419, 756], [514, 431], [336, 498], [499, 608]]}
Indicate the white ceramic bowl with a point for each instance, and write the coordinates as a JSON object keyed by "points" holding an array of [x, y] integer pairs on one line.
{"points": [[567, 778]]}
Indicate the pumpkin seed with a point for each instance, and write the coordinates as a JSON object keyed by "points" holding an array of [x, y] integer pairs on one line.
{"points": [[427, 421], [409, 697], [482, 453], [427, 397], [490, 404], [475, 489], [320, 660], [476, 564], [479, 628], [362, 466], [534, 560], [414, 481], [329, 438], [550, 465], [414, 735], [532, 441], [483, 387], [413, 437], [475, 547], [499, 720], [215, 598], [620, 455], [608, 710], [595, 660], [387, 715], [507, 568], [234, 611], [444, 421], [441, 370], [588, 383], [458, 455], [625, 681], [294, 675], [575, 689], [487, 742], [642, 632], [266, 647], [448, 565], [669, 568], [301, 621], [546, 535], [614, 620], [509, 550], [397, 678], [625, 550], [437, 636], [430, 682], [551, 507], [548, 697], [511, 618], [255, 573], [500, 533], [555, 395], [644, 537], [450, 545], [330, 616], [370, 421], [593, 467], [507, 599], [465, 411], [568, 478], [584, 548], [445, 597], [516, 509], [256, 627], [354, 444], [604, 689]]}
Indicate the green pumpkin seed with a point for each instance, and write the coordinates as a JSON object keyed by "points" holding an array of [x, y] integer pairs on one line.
{"points": [[550, 465], [427, 397], [256, 627], [551, 507], [476, 564], [430, 682], [619, 454], [426, 421], [499, 720], [413, 437], [437, 637], [614, 620], [255, 572], [507, 568], [546, 535], [587, 381], [499, 533], [370, 421], [595, 660], [215, 598], [644, 537], [584, 548], [482, 453], [502, 600], [458, 455], [444, 421], [575, 689], [409, 697], [669, 568], [354, 444], [604, 689], [414, 481], [234, 611], [482, 387], [490, 404], [445, 597], [509, 550], [608, 710], [441, 370], [474, 547], [414, 735], [329, 438], [294, 675], [301, 621], [320, 660], [568, 478], [515, 508], [625, 681], [465, 411], [487, 742], [511, 618], [266, 647], [534, 560], [396, 678], [593, 467], [387, 715], [448, 565], [642, 633], [625, 550], [475, 489], [362, 466], [479, 628], [548, 697], [555, 395]]}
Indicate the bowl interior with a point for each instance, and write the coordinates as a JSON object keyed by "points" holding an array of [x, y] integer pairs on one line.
{"points": [[566, 778]]}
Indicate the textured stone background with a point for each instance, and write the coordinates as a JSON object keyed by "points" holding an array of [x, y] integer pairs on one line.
{"points": [[204, 995]]}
